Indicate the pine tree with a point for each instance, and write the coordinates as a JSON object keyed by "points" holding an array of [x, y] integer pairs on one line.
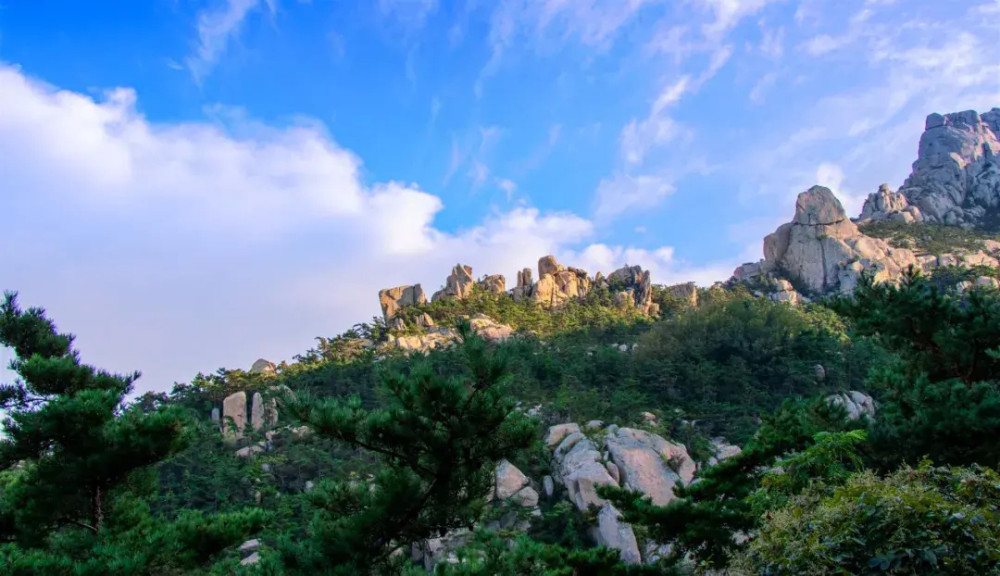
{"points": [[75, 462], [941, 395], [439, 438]]}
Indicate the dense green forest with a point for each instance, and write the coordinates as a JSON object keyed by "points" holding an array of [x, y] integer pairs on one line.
{"points": [[377, 449]]}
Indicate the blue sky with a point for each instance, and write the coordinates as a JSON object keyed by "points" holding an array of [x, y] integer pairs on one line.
{"points": [[190, 184]]}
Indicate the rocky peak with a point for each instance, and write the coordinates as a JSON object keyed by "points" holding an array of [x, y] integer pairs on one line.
{"points": [[956, 176], [818, 206], [392, 299], [458, 284]]}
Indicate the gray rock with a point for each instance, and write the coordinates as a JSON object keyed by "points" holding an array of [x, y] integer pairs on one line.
{"points": [[215, 414], [857, 404], [593, 425], [262, 366], [548, 486], [527, 497], [613, 471], [509, 480], [249, 545], [650, 464], [251, 559], [612, 533], [556, 433], [956, 177]]}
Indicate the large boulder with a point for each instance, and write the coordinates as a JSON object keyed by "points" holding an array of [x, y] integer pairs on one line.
{"points": [[686, 293], [888, 205], [263, 412], [262, 366], [650, 464], [458, 284], [524, 285], [509, 480], [393, 299], [857, 404], [495, 284], [823, 251], [234, 415], [489, 329], [556, 433], [612, 533]]}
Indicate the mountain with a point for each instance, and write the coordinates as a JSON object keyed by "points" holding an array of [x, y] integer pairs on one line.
{"points": [[953, 194], [955, 179]]}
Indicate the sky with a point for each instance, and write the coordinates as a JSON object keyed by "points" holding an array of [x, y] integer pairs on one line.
{"points": [[194, 184]]}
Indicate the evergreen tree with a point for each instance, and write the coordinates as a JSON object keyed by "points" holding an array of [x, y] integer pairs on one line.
{"points": [[72, 466], [439, 438], [941, 396]]}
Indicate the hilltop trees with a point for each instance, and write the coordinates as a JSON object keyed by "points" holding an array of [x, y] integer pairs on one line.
{"points": [[72, 466], [439, 438]]}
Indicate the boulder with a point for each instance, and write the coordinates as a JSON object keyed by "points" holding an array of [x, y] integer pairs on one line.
{"points": [[263, 413], [686, 293], [612, 533], [509, 480], [548, 265], [650, 464], [262, 366], [858, 405], [556, 433], [524, 285], [495, 284], [249, 545], [458, 285], [489, 329], [722, 450], [548, 486], [215, 414], [392, 299], [526, 497], [823, 251], [888, 205], [251, 559], [234, 407]]}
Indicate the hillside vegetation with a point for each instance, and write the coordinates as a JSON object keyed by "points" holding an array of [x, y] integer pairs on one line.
{"points": [[399, 448]]}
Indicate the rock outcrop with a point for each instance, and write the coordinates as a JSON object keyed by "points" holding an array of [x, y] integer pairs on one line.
{"points": [[857, 404], [262, 366], [823, 251], [438, 336], [956, 177], [614, 456], [392, 299], [458, 284], [888, 205], [234, 415], [556, 285]]}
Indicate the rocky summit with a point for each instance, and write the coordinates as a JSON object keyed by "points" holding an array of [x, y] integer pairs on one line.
{"points": [[956, 177], [954, 182]]}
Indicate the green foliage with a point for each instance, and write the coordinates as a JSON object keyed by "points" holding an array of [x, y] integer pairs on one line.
{"points": [[917, 521], [439, 439], [930, 238], [74, 467], [490, 554], [946, 277], [941, 396], [829, 462], [738, 356]]}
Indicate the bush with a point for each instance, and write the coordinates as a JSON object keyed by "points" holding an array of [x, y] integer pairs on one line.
{"points": [[916, 521]]}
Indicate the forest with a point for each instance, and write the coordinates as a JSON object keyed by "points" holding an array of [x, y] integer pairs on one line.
{"points": [[377, 449]]}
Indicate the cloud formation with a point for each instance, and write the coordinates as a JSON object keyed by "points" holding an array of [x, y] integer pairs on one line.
{"points": [[182, 247]]}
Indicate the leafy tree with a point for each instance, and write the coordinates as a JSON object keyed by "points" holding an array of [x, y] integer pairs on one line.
{"points": [[439, 439], [917, 521], [73, 463]]}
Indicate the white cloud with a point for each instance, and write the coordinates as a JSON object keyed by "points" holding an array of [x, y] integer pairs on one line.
{"points": [[508, 186], [626, 192], [412, 14], [772, 43], [182, 247], [824, 43], [761, 87], [542, 25], [216, 27]]}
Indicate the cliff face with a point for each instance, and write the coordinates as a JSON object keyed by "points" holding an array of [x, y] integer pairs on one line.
{"points": [[956, 177], [955, 182]]}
